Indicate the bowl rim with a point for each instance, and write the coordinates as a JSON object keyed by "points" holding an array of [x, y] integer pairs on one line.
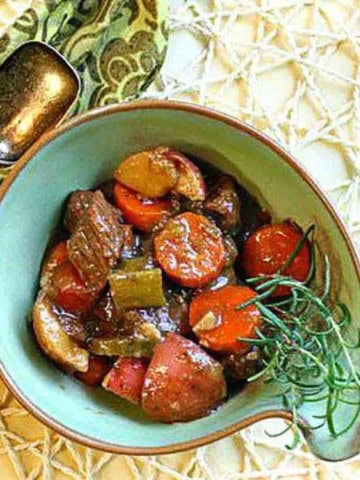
{"points": [[242, 127]]}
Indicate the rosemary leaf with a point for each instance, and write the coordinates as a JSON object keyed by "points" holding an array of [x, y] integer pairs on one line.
{"points": [[303, 344]]}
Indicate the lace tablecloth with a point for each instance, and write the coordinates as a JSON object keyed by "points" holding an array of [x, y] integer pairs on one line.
{"points": [[292, 69]]}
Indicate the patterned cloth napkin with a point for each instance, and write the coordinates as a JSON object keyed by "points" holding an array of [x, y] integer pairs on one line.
{"points": [[117, 46]]}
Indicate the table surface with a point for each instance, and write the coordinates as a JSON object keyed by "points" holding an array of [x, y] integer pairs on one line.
{"points": [[292, 69]]}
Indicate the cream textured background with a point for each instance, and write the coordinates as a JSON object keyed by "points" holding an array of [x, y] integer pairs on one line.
{"points": [[292, 69]]}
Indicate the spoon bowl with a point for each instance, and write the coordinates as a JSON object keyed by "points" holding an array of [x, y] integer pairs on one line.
{"points": [[31, 107]]}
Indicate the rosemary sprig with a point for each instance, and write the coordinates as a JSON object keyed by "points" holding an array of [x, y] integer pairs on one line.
{"points": [[303, 344]]}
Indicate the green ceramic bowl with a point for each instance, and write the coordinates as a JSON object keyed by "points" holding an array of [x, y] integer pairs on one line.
{"points": [[83, 153]]}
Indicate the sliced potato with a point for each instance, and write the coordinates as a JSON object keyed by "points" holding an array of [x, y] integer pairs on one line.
{"points": [[149, 172], [53, 340]]}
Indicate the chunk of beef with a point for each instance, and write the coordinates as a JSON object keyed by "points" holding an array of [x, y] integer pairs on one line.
{"points": [[172, 317], [77, 205], [253, 216], [195, 206], [72, 324], [107, 188], [103, 319], [96, 242], [157, 316], [231, 250], [224, 203], [240, 367], [226, 277], [179, 313]]}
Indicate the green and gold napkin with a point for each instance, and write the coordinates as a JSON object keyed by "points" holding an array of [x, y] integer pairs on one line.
{"points": [[117, 46]]}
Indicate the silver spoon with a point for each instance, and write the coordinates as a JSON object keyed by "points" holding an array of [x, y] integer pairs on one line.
{"points": [[38, 87]]}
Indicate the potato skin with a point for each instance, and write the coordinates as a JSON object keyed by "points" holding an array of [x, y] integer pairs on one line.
{"points": [[191, 183], [182, 382], [126, 378]]}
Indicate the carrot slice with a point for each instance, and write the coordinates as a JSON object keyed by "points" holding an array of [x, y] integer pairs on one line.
{"points": [[267, 250], [143, 213], [218, 323], [190, 250], [69, 291], [59, 253], [56, 256]]}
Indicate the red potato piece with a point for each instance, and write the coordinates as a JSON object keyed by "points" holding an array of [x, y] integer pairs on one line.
{"points": [[98, 368], [149, 172], [191, 183], [155, 172], [218, 323], [268, 249], [190, 250], [103, 319], [182, 382], [143, 213], [126, 378]]}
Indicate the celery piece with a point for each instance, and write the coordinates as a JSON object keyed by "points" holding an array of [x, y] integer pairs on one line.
{"points": [[140, 289], [140, 344]]}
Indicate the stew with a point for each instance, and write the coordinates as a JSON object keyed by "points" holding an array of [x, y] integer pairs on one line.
{"points": [[145, 291]]}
